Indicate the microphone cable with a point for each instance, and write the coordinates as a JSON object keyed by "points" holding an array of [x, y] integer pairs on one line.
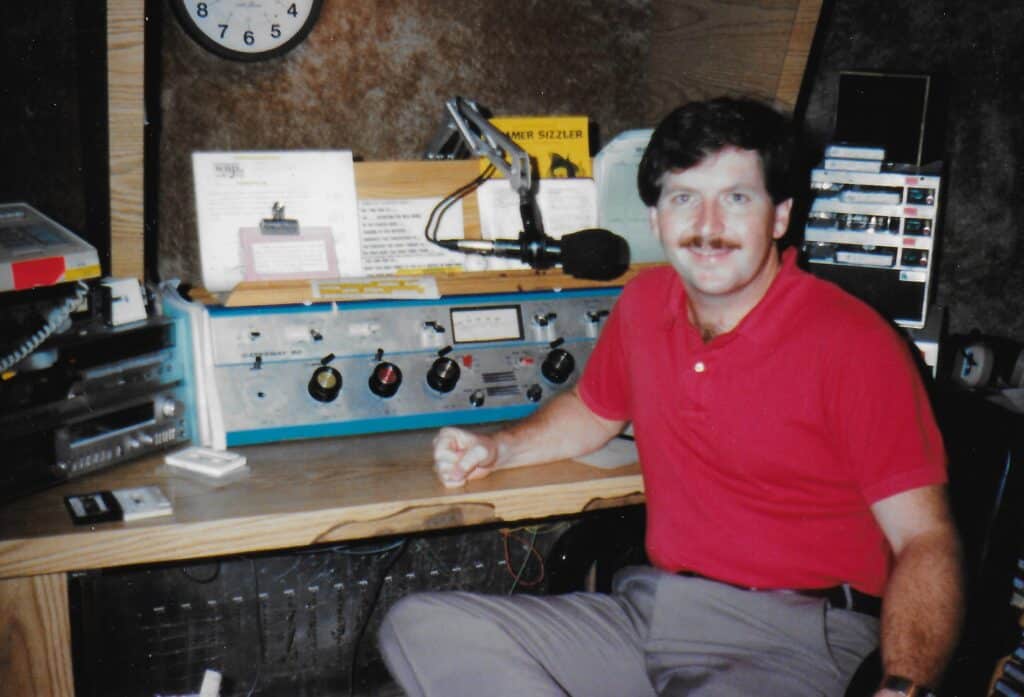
{"points": [[434, 220]]}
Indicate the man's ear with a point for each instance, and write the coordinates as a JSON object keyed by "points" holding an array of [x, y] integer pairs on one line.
{"points": [[782, 212]]}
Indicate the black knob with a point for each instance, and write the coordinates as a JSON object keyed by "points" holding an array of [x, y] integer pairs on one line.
{"points": [[477, 398], [325, 384], [544, 319], [385, 379], [534, 392], [558, 366], [443, 374]]}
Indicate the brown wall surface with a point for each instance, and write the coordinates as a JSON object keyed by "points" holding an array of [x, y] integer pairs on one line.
{"points": [[373, 77]]}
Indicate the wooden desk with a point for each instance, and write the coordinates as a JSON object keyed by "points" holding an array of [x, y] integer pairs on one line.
{"points": [[296, 494]]}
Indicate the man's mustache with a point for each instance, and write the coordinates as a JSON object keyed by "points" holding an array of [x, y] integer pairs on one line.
{"points": [[716, 242]]}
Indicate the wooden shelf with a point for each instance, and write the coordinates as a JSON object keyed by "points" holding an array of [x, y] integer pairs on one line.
{"points": [[251, 293]]}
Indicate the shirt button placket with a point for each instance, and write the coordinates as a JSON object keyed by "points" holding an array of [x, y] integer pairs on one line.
{"points": [[701, 389]]}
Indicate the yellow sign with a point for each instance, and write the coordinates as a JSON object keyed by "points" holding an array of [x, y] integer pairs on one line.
{"points": [[559, 146]]}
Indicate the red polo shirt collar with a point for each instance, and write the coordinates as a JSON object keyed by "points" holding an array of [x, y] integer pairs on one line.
{"points": [[762, 324]]}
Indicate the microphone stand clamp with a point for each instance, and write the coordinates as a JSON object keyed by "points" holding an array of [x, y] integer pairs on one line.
{"points": [[484, 140]]}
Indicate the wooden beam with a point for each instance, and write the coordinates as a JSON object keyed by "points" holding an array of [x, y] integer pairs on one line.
{"points": [[35, 637], [126, 118], [794, 64]]}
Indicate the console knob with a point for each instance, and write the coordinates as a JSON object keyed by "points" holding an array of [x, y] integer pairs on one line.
{"points": [[443, 374], [325, 384], [477, 398], [534, 392], [167, 408], [543, 319], [385, 379], [558, 366]]}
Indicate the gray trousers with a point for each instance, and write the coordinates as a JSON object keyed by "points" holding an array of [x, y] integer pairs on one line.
{"points": [[656, 634]]}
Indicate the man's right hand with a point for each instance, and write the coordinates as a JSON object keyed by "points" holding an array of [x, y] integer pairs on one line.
{"points": [[563, 428], [460, 455]]}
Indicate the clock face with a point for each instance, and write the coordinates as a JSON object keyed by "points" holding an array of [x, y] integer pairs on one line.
{"points": [[248, 30]]}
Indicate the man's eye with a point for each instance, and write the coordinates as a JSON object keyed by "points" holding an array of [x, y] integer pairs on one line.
{"points": [[738, 197], [681, 198]]}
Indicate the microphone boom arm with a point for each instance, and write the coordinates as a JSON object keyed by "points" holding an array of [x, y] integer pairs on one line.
{"points": [[484, 140], [487, 141]]}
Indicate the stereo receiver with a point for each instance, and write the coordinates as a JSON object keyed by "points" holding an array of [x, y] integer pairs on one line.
{"points": [[90, 397]]}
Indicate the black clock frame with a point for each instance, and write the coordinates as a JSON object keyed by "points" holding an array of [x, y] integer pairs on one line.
{"points": [[197, 35]]}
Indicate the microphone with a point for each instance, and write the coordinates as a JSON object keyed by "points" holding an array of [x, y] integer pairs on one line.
{"points": [[593, 254]]}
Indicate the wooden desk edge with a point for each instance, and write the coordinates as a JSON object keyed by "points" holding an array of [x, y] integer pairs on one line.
{"points": [[35, 631], [159, 541], [34, 613]]}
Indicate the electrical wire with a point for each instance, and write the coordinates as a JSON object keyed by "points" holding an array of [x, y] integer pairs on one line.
{"points": [[543, 529], [437, 213], [448, 201], [366, 551], [395, 551], [54, 319], [532, 553], [259, 630]]}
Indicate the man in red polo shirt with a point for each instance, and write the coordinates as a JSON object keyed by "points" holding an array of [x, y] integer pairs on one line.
{"points": [[793, 471]]}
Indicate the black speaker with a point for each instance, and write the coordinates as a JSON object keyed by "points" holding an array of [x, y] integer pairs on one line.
{"points": [[901, 113]]}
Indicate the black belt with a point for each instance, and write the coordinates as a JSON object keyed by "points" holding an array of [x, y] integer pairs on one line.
{"points": [[844, 597]]}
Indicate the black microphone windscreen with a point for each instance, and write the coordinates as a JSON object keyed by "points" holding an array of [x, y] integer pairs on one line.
{"points": [[594, 254]]}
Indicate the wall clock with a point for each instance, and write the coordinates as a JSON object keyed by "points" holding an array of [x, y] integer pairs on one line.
{"points": [[247, 30]]}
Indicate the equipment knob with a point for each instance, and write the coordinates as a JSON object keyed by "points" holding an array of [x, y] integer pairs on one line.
{"points": [[385, 379], [477, 398], [443, 374], [543, 319], [168, 408], [593, 320], [558, 366], [534, 392], [325, 384]]}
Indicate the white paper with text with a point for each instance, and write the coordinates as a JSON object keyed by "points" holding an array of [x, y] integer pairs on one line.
{"points": [[566, 206], [392, 239], [236, 190]]}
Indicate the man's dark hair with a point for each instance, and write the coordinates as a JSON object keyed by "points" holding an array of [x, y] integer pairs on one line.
{"points": [[698, 129]]}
